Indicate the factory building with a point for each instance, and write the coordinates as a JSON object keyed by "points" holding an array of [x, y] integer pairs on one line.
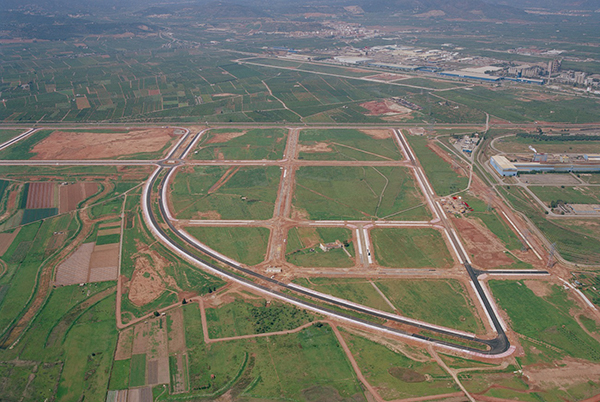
{"points": [[503, 166]]}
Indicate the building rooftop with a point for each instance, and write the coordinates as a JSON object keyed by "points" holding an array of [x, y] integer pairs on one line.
{"points": [[503, 163]]}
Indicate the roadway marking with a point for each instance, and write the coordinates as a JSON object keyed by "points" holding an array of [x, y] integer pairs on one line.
{"points": [[487, 313], [522, 236], [367, 244], [461, 246], [453, 246]]}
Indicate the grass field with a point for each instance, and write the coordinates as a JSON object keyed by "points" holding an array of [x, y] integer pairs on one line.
{"points": [[357, 290], [442, 177], [259, 143], [358, 193], [575, 241], [303, 247], [410, 248], [305, 366], [225, 193], [572, 195], [243, 244], [119, 375], [346, 144], [253, 317], [441, 302], [516, 144], [396, 376], [547, 319], [6, 135], [21, 150]]}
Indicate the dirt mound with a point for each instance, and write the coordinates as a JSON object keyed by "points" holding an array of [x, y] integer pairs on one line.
{"points": [[86, 145]]}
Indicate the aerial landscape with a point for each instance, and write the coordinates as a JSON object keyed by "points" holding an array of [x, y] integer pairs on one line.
{"points": [[348, 201]]}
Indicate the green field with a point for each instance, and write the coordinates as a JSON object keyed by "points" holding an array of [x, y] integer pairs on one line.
{"points": [[119, 375], [303, 247], [576, 240], [246, 193], [357, 193], [137, 370], [571, 195], [22, 149], [253, 317], [6, 135], [247, 245], [305, 366], [410, 248], [516, 144], [442, 177], [357, 290], [259, 143], [395, 375], [546, 319], [346, 144]]}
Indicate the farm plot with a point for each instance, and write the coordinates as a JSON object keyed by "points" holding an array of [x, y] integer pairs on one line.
{"points": [[396, 376], [247, 245], [135, 143], [347, 144], [240, 144], [358, 193], [411, 248], [225, 192], [70, 195], [320, 247]]}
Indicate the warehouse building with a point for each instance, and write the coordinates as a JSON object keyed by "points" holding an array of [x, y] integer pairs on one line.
{"points": [[503, 166]]}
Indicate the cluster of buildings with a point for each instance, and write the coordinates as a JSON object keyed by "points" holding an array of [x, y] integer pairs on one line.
{"points": [[540, 163]]}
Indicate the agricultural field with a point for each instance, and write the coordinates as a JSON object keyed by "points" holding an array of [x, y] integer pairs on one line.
{"points": [[571, 195], [444, 178], [410, 248], [238, 144], [357, 193], [303, 247], [220, 192], [247, 245], [346, 144], [516, 144]]}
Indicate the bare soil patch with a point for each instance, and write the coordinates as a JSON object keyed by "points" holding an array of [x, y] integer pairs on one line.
{"points": [[177, 334], [140, 338], [86, 145], [41, 195], [82, 102], [75, 269], [124, 344], [376, 108], [224, 137], [149, 278], [6, 240], [540, 288], [70, 195], [568, 371], [152, 92], [378, 134], [106, 232], [487, 249], [210, 215], [221, 95], [315, 148]]}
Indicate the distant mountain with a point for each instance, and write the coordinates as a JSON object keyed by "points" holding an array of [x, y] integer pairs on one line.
{"points": [[466, 9], [550, 4]]}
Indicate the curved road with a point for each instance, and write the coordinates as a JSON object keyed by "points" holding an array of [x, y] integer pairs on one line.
{"points": [[495, 347]]}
